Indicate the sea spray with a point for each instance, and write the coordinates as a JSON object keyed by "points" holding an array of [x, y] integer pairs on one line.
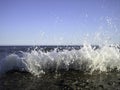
{"points": [[87, 59]]}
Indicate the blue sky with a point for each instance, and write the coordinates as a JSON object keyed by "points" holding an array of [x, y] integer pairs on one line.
{"points": [[54, 22]]}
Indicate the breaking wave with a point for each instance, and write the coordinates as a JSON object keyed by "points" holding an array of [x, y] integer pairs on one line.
{"points": [[87, 59]]}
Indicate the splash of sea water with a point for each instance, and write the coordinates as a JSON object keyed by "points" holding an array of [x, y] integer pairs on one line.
{"points": [[87, 59]]}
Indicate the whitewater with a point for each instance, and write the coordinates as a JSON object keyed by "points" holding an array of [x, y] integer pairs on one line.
{"points": [[37, 61]]}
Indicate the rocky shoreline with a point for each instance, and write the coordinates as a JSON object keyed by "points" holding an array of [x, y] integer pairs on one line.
{"points": [[66, 80]]}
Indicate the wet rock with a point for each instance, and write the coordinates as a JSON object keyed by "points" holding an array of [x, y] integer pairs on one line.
{"points": [[109, 83], [119, 83], [101, 86], [75, 83], [83, 85], [113, 84], [87, 82], [66, 87], [87, 87], [60, 82]]}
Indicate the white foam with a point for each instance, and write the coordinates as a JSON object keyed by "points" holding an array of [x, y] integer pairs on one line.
{"points": [[87, 58]]}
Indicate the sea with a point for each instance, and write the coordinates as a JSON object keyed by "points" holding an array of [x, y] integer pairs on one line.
{"points": [[60, 67]]}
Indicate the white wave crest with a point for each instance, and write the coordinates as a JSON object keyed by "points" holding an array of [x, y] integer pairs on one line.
{"points": [[85, 59]]}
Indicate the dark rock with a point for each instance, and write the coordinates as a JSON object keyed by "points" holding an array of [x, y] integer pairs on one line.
{"points": [[75, 83], [101, 86], [119, 83], [109, 83]]}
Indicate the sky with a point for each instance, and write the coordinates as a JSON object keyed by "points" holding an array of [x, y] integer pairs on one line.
{"points": [[59, 22]]}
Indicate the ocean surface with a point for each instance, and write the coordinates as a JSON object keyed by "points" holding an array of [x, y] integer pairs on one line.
{"points": [[84, 67]]}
